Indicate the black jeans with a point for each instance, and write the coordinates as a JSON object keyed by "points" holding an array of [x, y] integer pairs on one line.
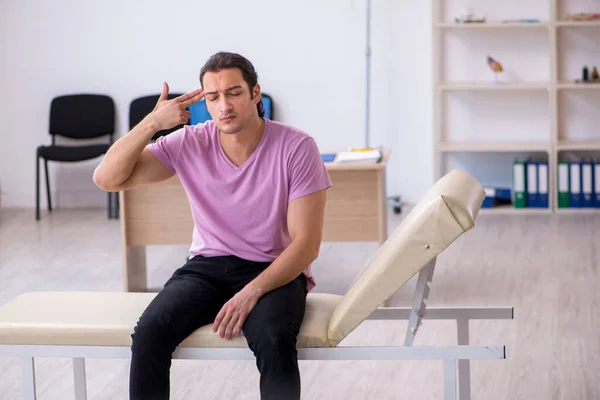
{"points": [[193, 297]]}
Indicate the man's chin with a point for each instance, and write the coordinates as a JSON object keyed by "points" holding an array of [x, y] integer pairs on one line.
{"points": [[231, 130]]}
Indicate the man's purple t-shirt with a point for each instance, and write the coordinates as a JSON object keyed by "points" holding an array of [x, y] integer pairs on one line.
{"points": [[242, 211]]}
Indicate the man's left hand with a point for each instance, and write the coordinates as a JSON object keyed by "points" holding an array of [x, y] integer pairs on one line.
{"points": [[232, 316]]}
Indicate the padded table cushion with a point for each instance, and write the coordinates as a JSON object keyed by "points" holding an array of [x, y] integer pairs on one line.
{"points": [[108, 319]]}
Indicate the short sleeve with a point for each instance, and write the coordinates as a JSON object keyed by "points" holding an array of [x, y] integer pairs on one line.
{"points": [[166, 149], [308, 173]]}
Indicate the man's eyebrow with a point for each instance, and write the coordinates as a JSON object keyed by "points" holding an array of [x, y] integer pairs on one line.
{"points": [[227, 90]]}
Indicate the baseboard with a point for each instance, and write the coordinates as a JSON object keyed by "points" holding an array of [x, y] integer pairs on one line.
{"points": [[79, 199]]}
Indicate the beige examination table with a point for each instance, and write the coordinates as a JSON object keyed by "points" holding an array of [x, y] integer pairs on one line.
{"points": [[81, 325]]}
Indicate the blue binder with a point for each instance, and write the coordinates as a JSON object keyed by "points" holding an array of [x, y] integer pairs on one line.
{"points": [[488, 201], [596, 189], [496, 196], [575, 183], [543, 182], [587, 184], [532, 184], [328, 157], [503, 194]]}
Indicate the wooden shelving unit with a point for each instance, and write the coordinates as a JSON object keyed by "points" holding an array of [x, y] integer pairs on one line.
{"points": [[512, 210], [471, 86], [493, 147], [578, 145], [557, 83], [493, 25], [577, 86], [577, 23]]}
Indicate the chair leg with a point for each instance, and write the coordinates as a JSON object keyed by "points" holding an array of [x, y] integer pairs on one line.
{"points": [[117, 209], [37, 188], [110, 206], [48, 186]]}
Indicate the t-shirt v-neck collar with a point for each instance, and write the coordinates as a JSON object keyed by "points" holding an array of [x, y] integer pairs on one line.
{"points": [[252, 156]]}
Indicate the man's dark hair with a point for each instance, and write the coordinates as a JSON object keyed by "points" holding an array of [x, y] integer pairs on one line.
{"points": [[225, 60]]}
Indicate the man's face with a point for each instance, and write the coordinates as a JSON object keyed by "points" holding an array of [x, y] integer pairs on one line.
{"points": [[228, 99]]}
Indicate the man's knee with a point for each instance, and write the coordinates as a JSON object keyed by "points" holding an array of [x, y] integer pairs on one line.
{"points": [[274, 340], [150, 334]]}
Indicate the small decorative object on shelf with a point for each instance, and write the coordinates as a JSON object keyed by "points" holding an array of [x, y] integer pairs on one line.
{"points": [[467, 16], [586, 78], [494, 66], [583, 17]]}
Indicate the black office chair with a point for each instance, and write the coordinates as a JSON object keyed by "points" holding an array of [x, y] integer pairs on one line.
{"points": [[142, 106], [78, 116]]}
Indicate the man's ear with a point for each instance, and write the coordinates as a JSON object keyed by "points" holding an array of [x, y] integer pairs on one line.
{"points": [[256, 93]]}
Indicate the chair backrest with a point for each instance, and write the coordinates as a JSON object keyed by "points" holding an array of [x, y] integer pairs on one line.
{"points": [[142, 106], [268, 106], [447, 210], [200, 113], [82, 116]]}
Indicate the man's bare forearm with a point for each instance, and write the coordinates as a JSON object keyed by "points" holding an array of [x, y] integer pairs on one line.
{"points": [[118, 162], [285, 268]]}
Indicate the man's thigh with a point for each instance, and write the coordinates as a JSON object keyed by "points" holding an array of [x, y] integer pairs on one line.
{"points": [[279, 312], [191, 298]]}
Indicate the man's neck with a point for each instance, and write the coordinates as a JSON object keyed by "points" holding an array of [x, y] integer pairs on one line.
{"points": [[239, 147]]}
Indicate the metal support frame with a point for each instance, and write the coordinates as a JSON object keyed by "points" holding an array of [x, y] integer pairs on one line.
{"points": [[417, 313], [449, 355], [464, 366], [79, 378], [419, 301]]}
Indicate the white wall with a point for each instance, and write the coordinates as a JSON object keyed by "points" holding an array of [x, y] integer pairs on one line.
{"points": [[310, 57]]}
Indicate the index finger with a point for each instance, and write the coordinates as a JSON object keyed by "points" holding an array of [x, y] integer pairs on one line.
{"points": [[194, 99], [190, 95]]}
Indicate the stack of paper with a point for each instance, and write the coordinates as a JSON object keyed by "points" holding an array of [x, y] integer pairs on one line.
{"points": [[359, 157]]}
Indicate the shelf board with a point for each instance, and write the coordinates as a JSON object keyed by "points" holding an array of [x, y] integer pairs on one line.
{"points": [[577, 210], [513, 210], [578, 145], [468, 86], [577, 23], [494, 147], [578, 86], [491, 25]]}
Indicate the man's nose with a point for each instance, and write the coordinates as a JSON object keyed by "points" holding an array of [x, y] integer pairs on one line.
{"points": [[226, 105]]}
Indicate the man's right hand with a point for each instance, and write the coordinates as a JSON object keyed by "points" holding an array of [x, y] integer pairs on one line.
{"points": [[170, 113]]}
